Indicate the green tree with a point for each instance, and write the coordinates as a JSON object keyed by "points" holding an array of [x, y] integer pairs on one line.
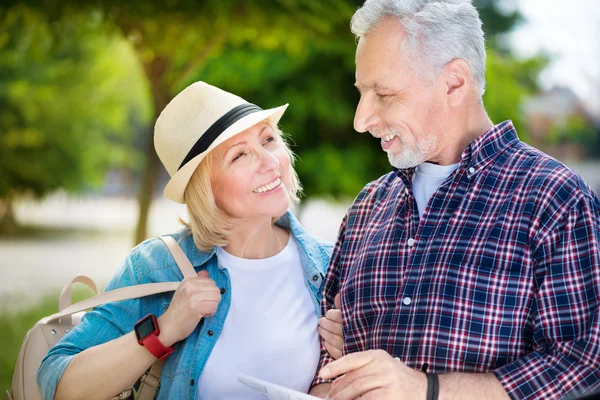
{"points": [[174, 40], [65, 105], [274, 52]]}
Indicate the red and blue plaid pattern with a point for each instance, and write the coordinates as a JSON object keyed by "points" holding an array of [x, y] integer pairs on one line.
{"points": [[501, 275]]}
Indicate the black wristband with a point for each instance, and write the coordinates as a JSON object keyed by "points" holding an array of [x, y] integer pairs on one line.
{"points": [[433, 387]]}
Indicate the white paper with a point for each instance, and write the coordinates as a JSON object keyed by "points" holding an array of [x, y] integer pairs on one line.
{"points": [[273, 391]]}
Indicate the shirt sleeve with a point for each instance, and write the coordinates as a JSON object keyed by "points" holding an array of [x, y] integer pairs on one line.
{"points": [[330, 290], [566, 319], [102, 324]]}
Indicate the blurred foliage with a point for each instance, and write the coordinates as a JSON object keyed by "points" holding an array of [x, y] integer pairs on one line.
{"points": [[499, 18], [575, 129], [69, 94], [509, 82], [270, 52]]}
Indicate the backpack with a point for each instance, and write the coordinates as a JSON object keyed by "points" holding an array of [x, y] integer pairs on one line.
{"points": [[49, 330]]}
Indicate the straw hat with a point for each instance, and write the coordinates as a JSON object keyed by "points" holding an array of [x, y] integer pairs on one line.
{"points": [[195, 122]]}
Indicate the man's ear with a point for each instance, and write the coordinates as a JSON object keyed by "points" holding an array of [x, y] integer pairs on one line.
{"points": [[457, 76]]}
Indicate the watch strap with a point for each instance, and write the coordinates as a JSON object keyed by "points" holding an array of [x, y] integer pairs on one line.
{"points": [[156, 348]]}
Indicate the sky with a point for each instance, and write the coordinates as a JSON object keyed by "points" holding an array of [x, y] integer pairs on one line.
{"points": [[570, 32]]}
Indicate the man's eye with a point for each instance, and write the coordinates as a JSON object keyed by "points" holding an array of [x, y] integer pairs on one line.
{"points": [[382, 96], [238, 156]]}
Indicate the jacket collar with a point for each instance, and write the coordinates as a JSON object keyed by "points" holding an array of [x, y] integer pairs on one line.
{"points": [[287, 221]]}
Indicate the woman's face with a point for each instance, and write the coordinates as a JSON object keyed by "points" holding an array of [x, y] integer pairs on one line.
{"points": [[251, 173]]}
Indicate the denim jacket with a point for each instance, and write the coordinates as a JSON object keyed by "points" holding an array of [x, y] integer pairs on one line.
{"points": [[151, 262]]}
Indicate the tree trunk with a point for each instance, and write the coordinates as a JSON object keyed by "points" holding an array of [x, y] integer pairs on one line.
{"points": [[155, 71], [8, 222], [146, 191]]}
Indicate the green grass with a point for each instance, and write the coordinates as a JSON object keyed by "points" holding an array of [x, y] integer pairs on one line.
{"points": [[14, 326]]}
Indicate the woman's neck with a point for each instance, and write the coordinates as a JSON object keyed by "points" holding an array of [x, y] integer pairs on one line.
{"points": [[256, 239]]}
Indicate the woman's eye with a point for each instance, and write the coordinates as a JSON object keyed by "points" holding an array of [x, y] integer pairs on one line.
{"points": [[270, 139], [238, 156], [382, 96]]}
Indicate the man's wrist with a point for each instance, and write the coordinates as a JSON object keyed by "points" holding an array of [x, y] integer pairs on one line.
{"points": [[421, 390]]}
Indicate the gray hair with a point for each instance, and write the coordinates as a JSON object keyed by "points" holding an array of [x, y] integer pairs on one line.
{"points": [[437, 32]]}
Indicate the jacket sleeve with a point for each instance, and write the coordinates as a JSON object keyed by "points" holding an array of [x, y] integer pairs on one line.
{"points": [[102, 324], [566, 328]]}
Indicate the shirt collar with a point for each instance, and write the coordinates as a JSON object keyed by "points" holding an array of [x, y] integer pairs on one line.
{"points": [[485, 148], [479, 152]]}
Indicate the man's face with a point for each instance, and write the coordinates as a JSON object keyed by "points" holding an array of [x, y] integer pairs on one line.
{"points": [[396, 106]]}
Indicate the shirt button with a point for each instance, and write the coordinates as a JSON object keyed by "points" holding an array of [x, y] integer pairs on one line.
{"points": [[210, 333], [192, 382], [223, 290], [411, 242], [471, 170], [315, 278], [407, 301]]}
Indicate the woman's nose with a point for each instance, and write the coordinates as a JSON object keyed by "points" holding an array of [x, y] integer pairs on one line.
{"points": [[268, 161]]}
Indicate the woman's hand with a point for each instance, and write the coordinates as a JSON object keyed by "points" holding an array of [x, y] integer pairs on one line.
{"points": [[194, 299], [330, 329]]}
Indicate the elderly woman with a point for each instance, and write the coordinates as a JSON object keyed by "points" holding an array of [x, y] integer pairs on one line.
{"points": [[253, 307]]}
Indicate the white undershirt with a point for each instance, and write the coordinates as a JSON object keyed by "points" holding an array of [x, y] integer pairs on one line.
{"points": [[270, 331], [427, 179]]}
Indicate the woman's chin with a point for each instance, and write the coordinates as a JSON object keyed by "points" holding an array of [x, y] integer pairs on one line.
{"points": [[275, 209]]}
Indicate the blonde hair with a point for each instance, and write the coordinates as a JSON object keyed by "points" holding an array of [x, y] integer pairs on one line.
{"points": [[209, 224]]}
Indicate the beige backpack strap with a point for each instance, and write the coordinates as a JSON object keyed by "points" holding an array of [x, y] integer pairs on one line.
{"points": [[65, 299], [125, 394], [181, 259], [125, 293], [150, 381]]}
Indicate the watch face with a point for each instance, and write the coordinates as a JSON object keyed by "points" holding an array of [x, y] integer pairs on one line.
{"points": [[145, 327]]}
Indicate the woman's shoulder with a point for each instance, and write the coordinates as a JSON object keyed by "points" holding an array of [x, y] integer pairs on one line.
{"points": [[151, 261]]}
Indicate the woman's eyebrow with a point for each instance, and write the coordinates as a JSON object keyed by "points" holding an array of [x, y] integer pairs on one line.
{"points": [[242, 142]]}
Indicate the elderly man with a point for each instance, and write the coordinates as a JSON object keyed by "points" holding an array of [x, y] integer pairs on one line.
{"points": [[477, 259]]}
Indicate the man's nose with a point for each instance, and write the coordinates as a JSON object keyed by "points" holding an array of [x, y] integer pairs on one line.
{"points": [[366, 115]]}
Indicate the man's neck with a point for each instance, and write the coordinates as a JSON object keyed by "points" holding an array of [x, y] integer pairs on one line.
{"points": [[475, 124]]}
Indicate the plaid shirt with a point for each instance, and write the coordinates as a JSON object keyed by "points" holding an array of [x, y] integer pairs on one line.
{"points": [[501, 274]]}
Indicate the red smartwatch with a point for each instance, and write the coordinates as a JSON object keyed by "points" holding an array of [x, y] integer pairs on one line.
{"points": [[147, 331]]}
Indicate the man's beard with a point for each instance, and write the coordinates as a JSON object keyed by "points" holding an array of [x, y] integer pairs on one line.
{"points": [[410, 155]]}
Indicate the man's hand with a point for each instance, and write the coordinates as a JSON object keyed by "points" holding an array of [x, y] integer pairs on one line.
{"points": [[373, 374], [330, 329]]}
